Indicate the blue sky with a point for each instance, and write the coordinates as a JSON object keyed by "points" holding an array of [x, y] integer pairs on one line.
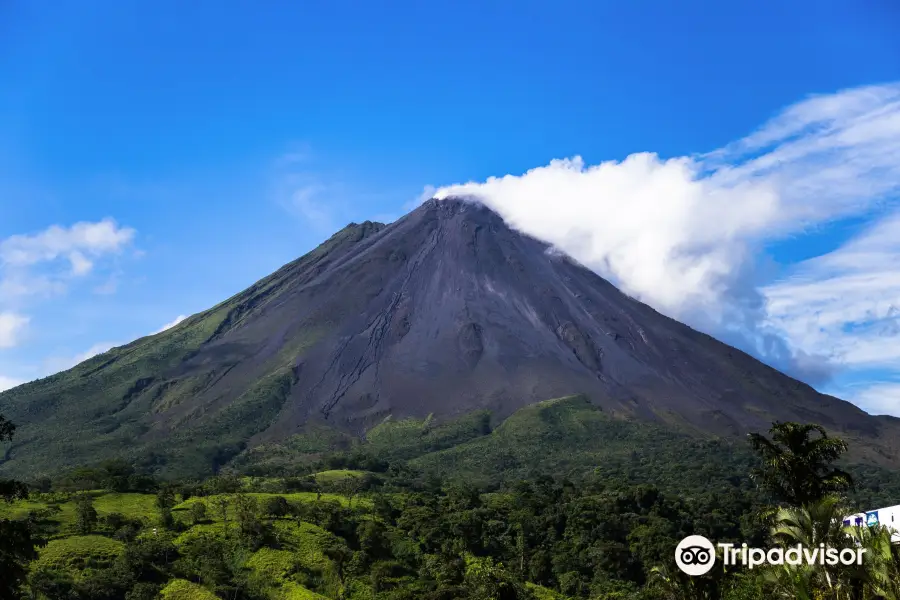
{"points": [[157, 158]]}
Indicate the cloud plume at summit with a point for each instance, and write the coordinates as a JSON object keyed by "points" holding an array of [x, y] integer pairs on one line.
{"points": [[688, 234]]}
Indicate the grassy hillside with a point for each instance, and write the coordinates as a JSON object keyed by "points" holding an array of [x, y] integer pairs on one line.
{"points": [[569, 436], [155, 401], [561, 437]]}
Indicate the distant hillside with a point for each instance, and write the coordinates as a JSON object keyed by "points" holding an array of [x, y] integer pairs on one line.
{"points": [[566, 437]]}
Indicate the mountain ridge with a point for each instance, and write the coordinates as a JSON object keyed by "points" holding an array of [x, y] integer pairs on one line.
{"points": [[446, 311]]}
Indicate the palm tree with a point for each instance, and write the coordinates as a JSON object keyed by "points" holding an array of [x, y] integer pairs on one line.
{"points": [[797, 465], [880, 571], [819, 522], [878, 577]]}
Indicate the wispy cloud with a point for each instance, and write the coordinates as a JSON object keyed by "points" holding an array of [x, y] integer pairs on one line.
{"points": [[43, 263], [879, 398], [317, 204], [75, 243], [685, 234], [11, 327], [325, 200], [846, 303], [37, 266], [318, 200]]}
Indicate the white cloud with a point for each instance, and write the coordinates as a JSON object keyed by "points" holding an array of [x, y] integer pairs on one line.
{"points": [[43, 264], [325, 200], [80, 264], [846, 302], [74, 243], [311, 203], [7, 383], [11, 327], [171, 324], [879, 398], [684, 234]]}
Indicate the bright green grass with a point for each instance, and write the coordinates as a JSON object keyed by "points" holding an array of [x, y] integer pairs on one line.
{"points": [[181, 589], [77, 553], [302, 544], [306, 541], [19, 509], [59, 524], [298, 497], [133, 506], [275, 566], [62, 523], [336, 475], [293, 591], [143, 507], [204, 529]]}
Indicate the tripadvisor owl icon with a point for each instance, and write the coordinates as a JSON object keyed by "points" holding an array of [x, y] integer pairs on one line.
{"points": [[695, 555]]}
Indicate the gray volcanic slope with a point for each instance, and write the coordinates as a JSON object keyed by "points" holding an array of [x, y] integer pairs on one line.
{"points": [[446, 311]]}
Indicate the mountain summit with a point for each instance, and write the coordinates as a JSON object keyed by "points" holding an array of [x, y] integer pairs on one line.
{"points": [[444, 312]]}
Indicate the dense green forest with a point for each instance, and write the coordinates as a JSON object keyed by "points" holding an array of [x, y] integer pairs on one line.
{"points": [[538, 508]]}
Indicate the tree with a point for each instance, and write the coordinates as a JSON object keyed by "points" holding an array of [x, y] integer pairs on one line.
{"points": [[245, 509], [487, 580], [880, 572], [165, 497], [165, 500], [220, 504], [10, 490], [198, 512], [18, 545], [48, 583], [143, 591], [85, 514], [797, 465], [113, 521], [116, 474], [276, 506], [815, 523], [351, 485], [147, 557]]}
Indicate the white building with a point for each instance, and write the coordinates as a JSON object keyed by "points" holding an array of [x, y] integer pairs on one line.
{"points": [[889, 517]]}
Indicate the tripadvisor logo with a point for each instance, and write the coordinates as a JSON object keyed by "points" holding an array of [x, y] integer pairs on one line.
{"points": [[696, 555]]}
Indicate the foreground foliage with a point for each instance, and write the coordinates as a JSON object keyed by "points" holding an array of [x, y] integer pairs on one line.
{"points": [[373, 524]]}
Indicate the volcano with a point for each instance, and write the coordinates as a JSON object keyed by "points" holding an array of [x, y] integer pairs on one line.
{"points": [[443, 312]]}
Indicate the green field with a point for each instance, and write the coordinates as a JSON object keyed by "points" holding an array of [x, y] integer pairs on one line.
{"points": [[297, 557]]}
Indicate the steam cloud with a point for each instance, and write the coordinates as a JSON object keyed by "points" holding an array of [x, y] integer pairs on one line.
{"points": [[685, 234]]}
